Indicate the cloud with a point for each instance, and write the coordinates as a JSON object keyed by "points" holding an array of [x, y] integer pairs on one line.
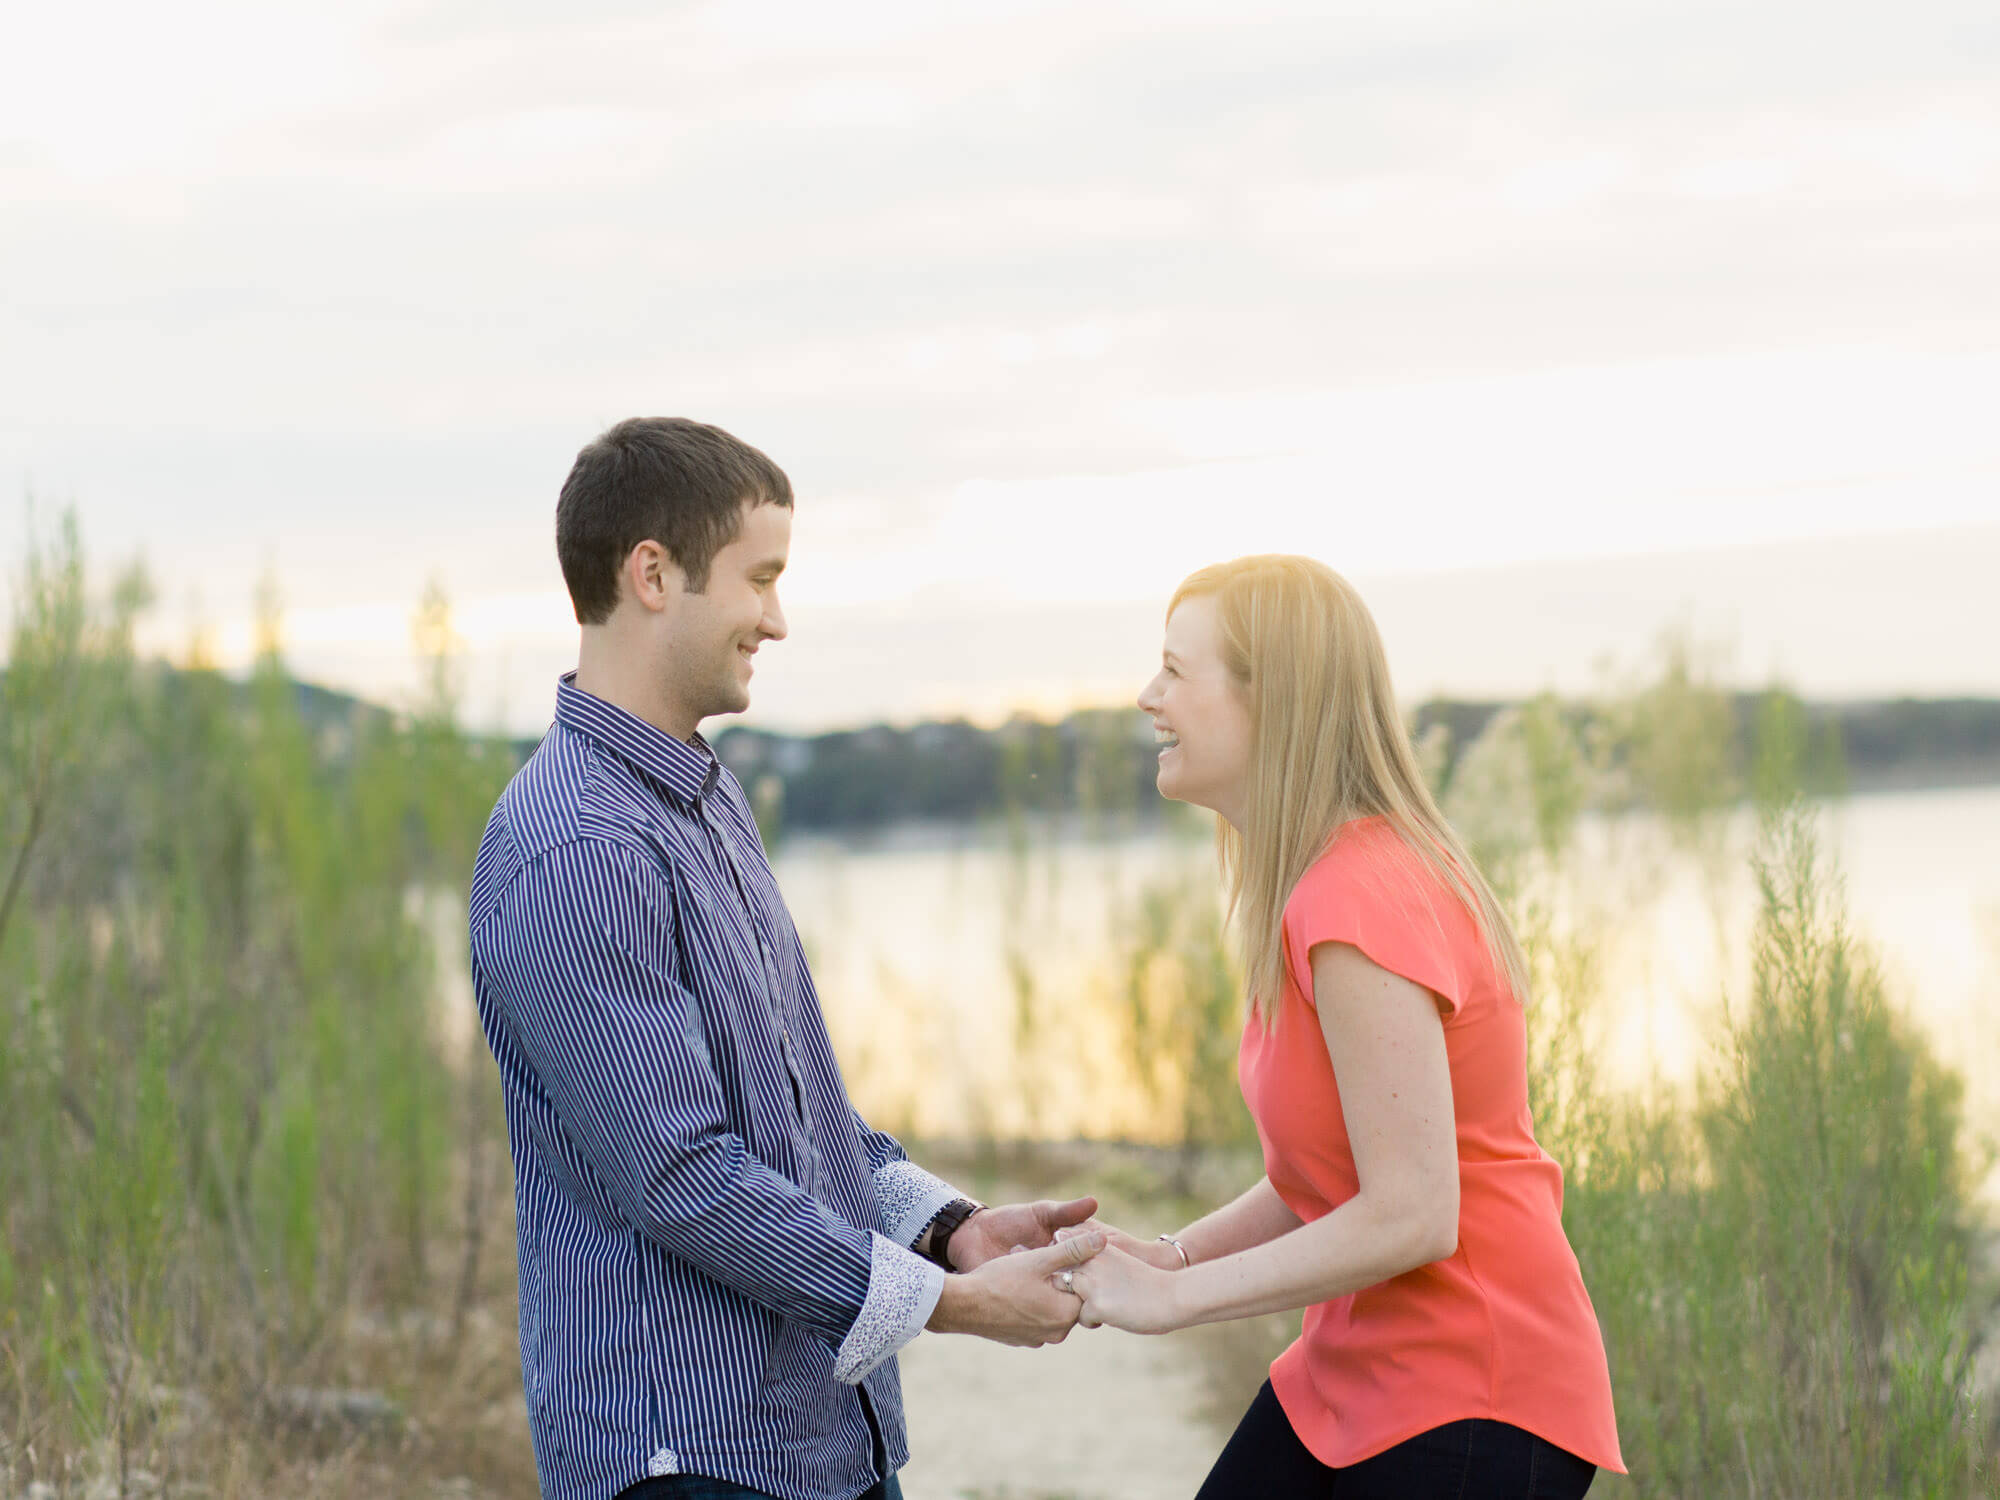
{"points": [[345, 286]]}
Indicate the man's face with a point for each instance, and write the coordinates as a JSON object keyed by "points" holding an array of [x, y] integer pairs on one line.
{"points": [[713, 635]]}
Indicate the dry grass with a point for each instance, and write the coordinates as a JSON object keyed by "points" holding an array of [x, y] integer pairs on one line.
{"points": [[437, 1412]]}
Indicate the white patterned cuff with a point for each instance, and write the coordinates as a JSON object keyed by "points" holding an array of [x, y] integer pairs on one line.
{"points": [[910, 1199], [903, 1291]]}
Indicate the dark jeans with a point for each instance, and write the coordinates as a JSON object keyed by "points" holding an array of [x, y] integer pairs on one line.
{"points": [[698, 1487], [1470, 1460]]}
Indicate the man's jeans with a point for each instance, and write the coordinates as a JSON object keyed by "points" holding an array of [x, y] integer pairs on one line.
{"points": [[696, 1487]]}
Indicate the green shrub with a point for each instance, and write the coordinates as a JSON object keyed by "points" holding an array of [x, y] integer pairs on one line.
{"points": [[1782, 1267], [225, 1120]]}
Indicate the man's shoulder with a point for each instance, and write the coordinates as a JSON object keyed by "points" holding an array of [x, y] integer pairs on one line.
{"points": [[539, 808], [570, 789], [568, 803]]}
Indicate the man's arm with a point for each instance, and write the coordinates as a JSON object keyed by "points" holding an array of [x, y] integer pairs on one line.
{"points": [[581, 948]]}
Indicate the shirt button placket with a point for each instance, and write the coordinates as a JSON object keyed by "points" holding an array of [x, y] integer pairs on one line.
{"points": [[773, 999]]}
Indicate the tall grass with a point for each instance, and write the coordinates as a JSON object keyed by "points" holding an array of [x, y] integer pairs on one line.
{"points": [[1782, 1260], [1782, 1256], [225, 1125]]}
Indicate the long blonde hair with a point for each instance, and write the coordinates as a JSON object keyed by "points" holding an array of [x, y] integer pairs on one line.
{"points": [[1328, 746]]}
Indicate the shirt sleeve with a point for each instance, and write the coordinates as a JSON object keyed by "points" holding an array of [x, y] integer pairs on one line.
{"points": [[909, 1196], [1373, 892], [910, 1199], [581, 947]]}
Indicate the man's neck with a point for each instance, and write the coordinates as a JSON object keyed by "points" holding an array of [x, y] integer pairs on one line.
{"points": [[612, 671]]}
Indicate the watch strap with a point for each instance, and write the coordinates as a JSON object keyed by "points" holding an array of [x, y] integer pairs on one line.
{"points": [[945, 1225]]}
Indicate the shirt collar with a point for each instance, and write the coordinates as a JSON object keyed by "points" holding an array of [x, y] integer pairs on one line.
{"points": [[688, 771]]}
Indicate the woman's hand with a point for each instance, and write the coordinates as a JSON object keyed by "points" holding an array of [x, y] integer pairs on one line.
{"points": [[1119, 1290], [1155, 1253]]}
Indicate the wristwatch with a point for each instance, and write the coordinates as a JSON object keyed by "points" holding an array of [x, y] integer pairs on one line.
{"points": [[944, 1225]]}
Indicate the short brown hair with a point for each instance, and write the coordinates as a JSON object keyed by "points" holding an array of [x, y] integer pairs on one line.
{"points": [[664, 479]]}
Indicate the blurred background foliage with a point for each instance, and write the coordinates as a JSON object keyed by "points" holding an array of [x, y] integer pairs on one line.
{"points": [[228, 1124], [254, 1224]]}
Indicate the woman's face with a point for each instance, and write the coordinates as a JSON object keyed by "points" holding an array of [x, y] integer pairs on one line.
{"points": [[1201, 714]]}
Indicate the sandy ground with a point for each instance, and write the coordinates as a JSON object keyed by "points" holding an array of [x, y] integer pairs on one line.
{"points": [[1102, 1416]]}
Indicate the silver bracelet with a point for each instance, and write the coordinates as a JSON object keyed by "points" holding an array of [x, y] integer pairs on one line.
{"points": [[1186, 1259]]}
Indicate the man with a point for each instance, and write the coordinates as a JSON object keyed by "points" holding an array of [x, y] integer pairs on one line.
{"points": [[719, 1259]]}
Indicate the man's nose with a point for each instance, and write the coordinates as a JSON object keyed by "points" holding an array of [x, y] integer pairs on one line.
{"points": [[773, 624]]}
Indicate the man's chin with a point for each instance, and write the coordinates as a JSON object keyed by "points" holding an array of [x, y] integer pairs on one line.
{"points": [[729, 698]]}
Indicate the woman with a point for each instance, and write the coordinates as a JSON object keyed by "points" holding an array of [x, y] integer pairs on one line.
{"points": [[1449, 1347]]}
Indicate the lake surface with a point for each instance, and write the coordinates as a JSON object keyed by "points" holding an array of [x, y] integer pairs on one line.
{"points": [[977, 984]]}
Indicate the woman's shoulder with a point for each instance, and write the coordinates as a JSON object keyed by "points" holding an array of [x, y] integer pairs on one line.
{"points": [[1368, 873], [1371, 890], [1366, 855]]}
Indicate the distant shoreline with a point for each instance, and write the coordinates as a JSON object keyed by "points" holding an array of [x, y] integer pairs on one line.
{"points": [[1930, 776], [1100, 763]]}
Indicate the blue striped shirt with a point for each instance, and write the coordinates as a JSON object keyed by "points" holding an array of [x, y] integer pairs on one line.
{"points": [[713, 1245]]}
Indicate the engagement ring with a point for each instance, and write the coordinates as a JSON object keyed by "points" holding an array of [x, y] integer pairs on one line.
{"points": [[1066, 1280]]}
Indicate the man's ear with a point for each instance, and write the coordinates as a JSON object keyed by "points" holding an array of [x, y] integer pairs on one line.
{"points": [[652, 577]]}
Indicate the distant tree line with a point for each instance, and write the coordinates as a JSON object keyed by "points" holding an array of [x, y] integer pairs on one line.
{"points": [[1100, 762]]}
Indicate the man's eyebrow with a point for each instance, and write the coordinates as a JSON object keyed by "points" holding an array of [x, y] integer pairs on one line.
{"points": [[771, 565]]}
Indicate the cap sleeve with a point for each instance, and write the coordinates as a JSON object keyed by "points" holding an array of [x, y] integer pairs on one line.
{"points": [[1372, 891]]}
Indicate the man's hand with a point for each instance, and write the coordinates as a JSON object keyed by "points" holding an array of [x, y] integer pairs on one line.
{"points": [[995, 1231], [1014, 1299]]}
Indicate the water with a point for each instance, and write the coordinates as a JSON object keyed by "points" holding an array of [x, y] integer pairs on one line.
{"points": [[925, 944], [975, 985]]}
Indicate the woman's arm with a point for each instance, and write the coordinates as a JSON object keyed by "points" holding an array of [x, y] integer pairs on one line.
{"points": [[1387, 1046], [1255, 1218], [1252, 1218]]}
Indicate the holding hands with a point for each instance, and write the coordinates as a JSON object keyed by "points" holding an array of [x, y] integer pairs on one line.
{"points": [[1023, 1298], [1125, 1292], [1035, 1270], [1130, 1285]]}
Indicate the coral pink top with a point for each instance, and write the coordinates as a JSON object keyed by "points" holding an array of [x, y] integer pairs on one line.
{"points": [[1502, 1329]]}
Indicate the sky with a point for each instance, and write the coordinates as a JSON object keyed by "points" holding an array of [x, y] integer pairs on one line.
{"points": [[1553, 325]]}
